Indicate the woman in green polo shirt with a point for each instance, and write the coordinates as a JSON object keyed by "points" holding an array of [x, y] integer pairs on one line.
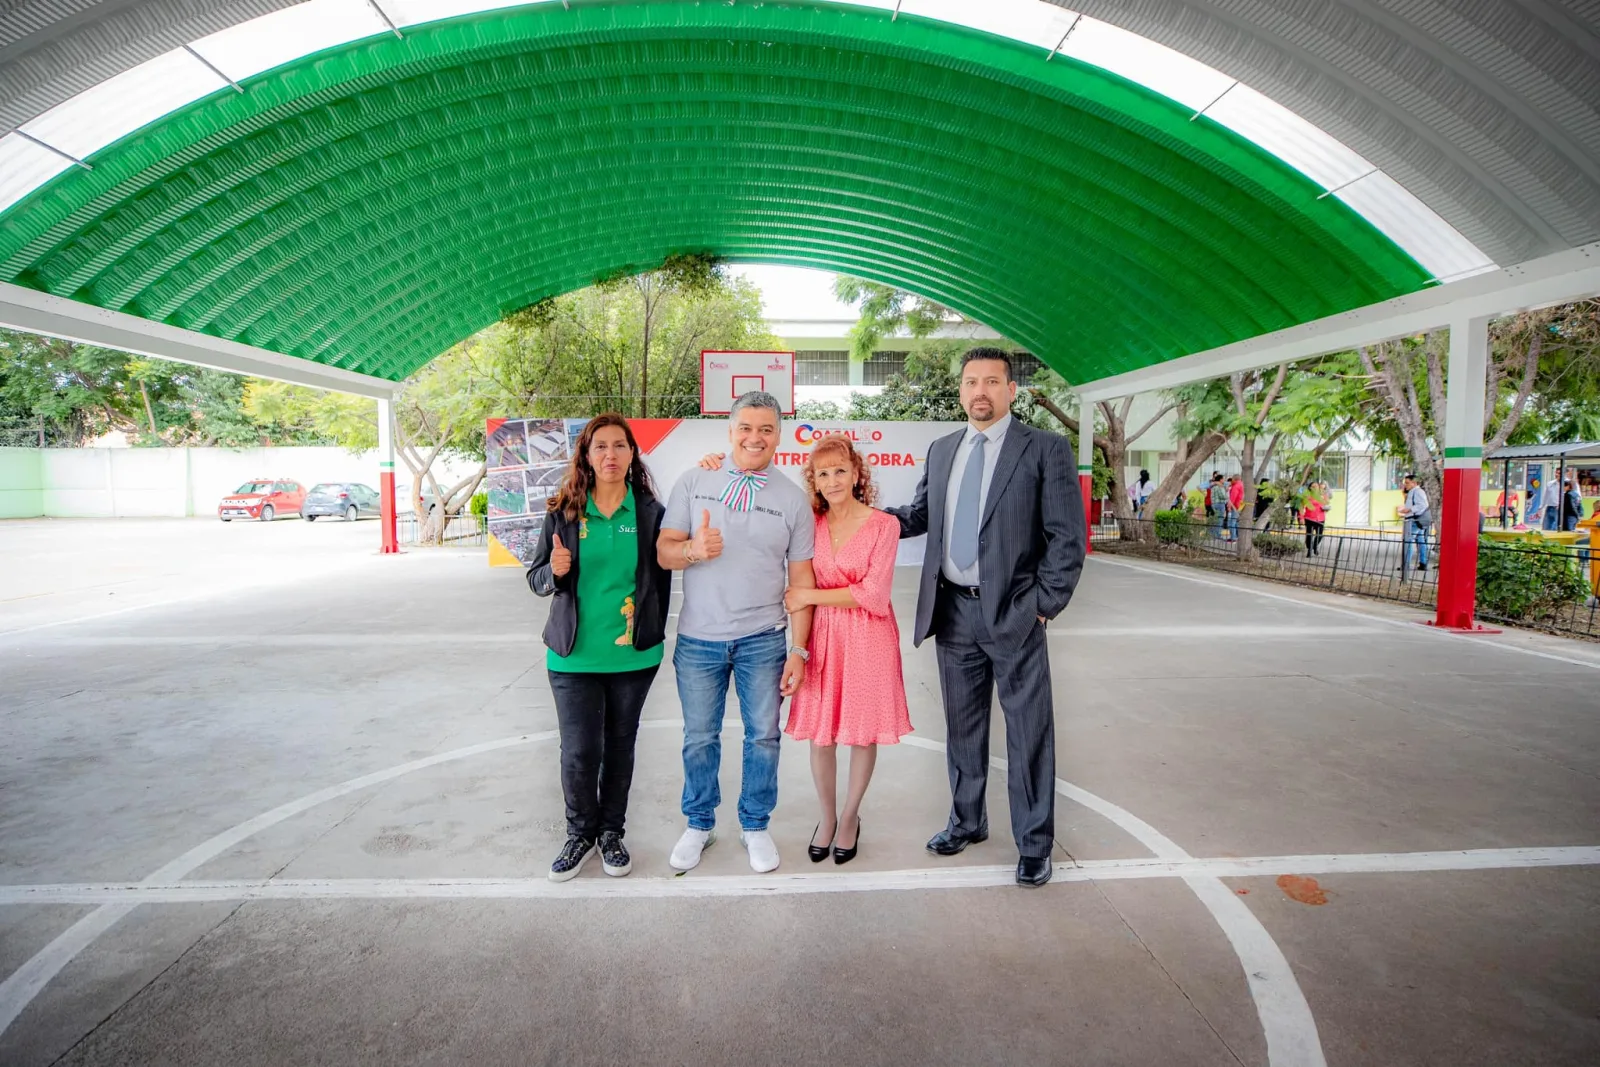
{"points": [[597, 556]]}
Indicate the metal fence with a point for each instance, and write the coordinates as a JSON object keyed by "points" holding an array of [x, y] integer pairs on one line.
{"points": [[1544, 586], [464, 531]]}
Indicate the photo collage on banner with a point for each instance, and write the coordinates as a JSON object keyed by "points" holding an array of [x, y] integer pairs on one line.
{"points": [[527, 460]]}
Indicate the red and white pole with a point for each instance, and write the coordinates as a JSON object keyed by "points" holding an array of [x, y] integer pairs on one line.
{"points": [[1463, 473], [1086, 464], [386, 500]]}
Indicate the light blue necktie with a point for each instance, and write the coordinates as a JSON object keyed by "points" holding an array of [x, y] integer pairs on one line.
{"points": [[964, 532]]}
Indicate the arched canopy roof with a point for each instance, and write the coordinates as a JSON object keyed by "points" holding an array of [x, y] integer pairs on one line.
{"points": [[370, 204]]}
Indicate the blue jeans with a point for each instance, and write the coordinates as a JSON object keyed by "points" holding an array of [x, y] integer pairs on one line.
{"points": [[1418, 532], [703, 668], [1233, 525]]}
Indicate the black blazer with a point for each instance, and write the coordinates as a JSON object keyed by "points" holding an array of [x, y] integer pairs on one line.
{"points": [[1031, 541], [652, 582]]}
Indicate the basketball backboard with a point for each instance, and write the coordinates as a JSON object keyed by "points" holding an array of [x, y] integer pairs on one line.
{"points": [[725, 376]]}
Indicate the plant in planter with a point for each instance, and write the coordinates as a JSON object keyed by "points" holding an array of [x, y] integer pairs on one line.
{"points": [[1527, 580], [1176, 527], [1278, 546]]}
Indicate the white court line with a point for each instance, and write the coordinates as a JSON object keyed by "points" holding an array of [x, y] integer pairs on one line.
{"points": [[1286, 1020], [786, 884], [1205, 631], [1213, 631], [1417, 629]]}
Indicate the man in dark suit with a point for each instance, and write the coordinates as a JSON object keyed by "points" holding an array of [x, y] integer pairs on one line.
{"points": [[1001, 506]]}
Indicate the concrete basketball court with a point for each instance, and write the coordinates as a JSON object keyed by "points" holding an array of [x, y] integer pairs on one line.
{"points": [[268, 798]]}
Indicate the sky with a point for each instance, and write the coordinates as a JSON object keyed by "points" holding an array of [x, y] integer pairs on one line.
{"points": [[795, 292]]}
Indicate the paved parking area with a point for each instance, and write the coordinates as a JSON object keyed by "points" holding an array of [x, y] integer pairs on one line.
{"points": [[292, 802]]}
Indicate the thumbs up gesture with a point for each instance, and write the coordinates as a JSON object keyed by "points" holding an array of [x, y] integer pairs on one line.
{"points": [[560, 558], [707, 540]]}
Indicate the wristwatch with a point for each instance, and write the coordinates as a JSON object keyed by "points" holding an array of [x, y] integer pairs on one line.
{"points": [[796, 650]]}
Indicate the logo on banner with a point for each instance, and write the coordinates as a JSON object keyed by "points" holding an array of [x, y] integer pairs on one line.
{"points": [[866, 441], [806, 435]]}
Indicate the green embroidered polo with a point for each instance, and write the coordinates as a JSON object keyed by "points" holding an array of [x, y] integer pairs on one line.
{"points": [[608, 561]]}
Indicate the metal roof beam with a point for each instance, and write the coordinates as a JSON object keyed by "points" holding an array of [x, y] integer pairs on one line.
{"points": [[1554, 279], [54, 316]]}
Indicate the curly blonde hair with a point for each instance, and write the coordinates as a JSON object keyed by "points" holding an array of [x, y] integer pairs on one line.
{"points": [[863, 490]]}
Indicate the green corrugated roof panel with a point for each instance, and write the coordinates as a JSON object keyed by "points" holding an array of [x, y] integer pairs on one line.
{"points": [[369, 206]]}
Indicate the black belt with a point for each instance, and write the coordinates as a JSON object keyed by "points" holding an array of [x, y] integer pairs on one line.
{"points": [[958, 590]]}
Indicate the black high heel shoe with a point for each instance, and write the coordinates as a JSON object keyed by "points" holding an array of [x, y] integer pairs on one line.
{"points": [[817, 852], [845, 855]]}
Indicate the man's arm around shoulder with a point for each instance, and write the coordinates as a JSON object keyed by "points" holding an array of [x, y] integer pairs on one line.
{"points": [[913, 517]]}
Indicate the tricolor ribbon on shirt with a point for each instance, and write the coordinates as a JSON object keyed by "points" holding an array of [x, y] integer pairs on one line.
{"points": [[741, 491]]}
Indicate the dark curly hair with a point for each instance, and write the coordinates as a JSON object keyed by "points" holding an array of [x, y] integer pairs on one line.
{"points": [[573, 494], [863, 490]]}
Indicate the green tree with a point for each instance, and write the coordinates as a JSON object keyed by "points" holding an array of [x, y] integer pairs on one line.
{"points": [[1543, 378], [628, 344], [884, 311]]}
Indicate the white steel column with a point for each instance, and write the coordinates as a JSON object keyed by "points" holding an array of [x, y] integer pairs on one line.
{"points": [[386, 497], [1086, 460], [1463, 472]]}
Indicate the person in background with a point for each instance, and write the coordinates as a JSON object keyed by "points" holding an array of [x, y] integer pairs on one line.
{"points": [[1264, 498], [1315, 510], [1571, 504], [604, 635], [1507, 505], [1418, 518], [1217, 505], [1141, 492], [1235, 505], [732, 622], [1550, 495]]}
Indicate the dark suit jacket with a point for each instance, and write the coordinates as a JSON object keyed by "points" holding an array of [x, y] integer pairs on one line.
{"points": [[1032, 539]]}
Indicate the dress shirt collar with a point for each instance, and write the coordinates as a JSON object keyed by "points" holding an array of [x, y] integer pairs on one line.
{"points": [[996, 431]]}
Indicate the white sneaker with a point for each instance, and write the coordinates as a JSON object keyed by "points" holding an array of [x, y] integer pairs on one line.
{"points": [[762, 848], [686, 853]]}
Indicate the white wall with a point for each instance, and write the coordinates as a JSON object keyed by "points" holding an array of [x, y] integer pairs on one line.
{"points": [[175, 482]]}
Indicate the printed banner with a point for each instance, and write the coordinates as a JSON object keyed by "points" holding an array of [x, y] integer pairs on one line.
{"points": [[529, 457]]}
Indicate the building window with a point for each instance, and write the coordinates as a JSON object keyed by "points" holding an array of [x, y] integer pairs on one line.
{"points": [[1331, 471], [1024, 365], [822, 368], [883, 366], [1494, 475]]}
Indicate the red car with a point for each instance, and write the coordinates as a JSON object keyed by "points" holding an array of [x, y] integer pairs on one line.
{"points": [[263, 499]]}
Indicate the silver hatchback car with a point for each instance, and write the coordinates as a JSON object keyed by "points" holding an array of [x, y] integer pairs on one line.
{"points": [[346, 500]]}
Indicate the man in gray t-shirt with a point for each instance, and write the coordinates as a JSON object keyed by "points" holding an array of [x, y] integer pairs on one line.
{"points": [[741, 535]]}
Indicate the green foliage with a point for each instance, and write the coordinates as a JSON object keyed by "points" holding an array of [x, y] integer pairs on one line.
{"points": [[929, 390], [1278, 546], [1196, 499], [1527, 580], [1104, 478], [822, 410], [79, 393], [884, 312], [585, 352], [1174, 527], [479, 505]]}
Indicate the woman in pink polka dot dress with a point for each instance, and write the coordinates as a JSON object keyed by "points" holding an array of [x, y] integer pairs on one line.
{"points": [[854, 693]]}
